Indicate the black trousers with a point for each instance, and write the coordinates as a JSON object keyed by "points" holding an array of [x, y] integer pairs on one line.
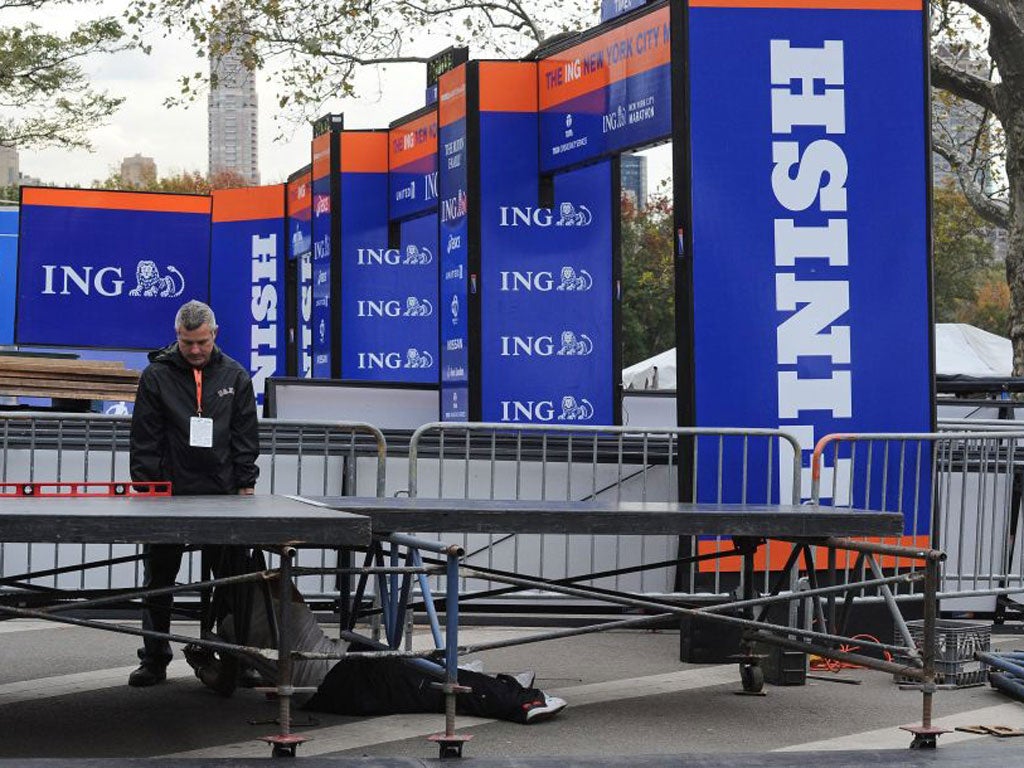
{"points": [[161, 568], [368, 687]]}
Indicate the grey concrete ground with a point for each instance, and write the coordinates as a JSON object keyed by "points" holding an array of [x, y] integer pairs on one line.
{"points": [[63, 694]]}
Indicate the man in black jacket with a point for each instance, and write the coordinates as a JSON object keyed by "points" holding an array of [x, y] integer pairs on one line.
{"points": [[195, 425]]}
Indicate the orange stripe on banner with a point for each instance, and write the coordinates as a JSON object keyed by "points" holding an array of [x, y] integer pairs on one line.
{"points": [[451, 95], [122, 201], [248, 203], [623, 52], [364, 152], [300, 194], [508, 86], [412, 141], [777, 553], [321, 149], [822, 5]]}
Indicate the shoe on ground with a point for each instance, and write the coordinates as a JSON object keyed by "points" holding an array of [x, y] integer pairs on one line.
{"points": [[147, 675], [525, 678], [539, 710]]}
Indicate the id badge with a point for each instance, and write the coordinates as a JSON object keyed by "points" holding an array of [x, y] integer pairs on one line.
{"points": [[200, 433]]}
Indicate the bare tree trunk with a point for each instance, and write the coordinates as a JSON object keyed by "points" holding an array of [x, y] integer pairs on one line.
{"points": [[1014, 128]]}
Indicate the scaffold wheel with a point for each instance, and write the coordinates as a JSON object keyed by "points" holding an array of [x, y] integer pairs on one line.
{"points": [[752, 677]]}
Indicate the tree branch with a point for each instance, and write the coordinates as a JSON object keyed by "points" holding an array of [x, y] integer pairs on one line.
{"points": [[997, 12], [993, 211], [963, 84]]}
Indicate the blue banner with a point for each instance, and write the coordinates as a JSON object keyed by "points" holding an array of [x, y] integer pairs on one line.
{"points": [[247, 264], [322, 257], [108, 269], [300, 246], [453, 183], [304, 321], [607, 94], [810, 226], [8, 271], [389, 300], [547, 340], [412, 161], [546, 308]]}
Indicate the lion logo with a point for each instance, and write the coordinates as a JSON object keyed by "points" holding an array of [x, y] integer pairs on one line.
{"points": [[573, 216], [149, 281], [571, 281], [575, 345]]}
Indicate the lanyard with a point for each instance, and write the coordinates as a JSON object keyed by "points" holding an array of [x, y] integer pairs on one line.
{"points": [[198, 374]]}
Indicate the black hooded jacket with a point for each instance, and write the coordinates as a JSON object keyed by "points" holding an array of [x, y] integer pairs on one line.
{"points": [[165, 403]]}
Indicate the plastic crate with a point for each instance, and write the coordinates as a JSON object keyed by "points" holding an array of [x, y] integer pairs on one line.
{"points": [[955, 645]]}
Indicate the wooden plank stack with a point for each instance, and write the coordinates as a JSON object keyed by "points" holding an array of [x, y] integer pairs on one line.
{"points": [[66, 378]]}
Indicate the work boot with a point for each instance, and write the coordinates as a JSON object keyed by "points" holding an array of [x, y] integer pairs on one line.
{"points": [[146, 675]]}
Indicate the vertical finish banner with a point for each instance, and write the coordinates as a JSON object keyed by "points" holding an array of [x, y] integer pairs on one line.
{"points": [[379, 299], [453, 186], [546, 311], [322, 228], [247, 264], [809, 188], [300, 247], [108, 269], [609, 93]]}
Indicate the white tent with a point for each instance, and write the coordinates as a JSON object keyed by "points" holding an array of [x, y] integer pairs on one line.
{"points": [[964, 350], [658, 372], [960, 349]]}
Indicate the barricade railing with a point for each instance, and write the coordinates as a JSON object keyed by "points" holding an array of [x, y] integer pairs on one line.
{"points": [[958, 490], [575, 462], [297, 457]]}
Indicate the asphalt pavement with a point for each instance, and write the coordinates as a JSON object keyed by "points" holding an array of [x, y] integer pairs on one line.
{"points": [[64, 694]]}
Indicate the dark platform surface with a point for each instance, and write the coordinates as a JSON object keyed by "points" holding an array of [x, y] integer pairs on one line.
{"points": [[252, 520], [975, 757], [603, 517]]}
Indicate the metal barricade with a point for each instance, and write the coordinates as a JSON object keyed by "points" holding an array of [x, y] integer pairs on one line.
{"points": [[506, 461], [310, 458], [959, 490]]}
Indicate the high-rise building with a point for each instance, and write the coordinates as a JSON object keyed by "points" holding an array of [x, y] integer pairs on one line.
{"points": [[233, 117], [634, 179], [9, 173], [138, 170]]}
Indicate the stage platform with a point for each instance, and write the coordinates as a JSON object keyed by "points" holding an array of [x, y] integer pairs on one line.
{"points": [[243, 520], [404, 514]]}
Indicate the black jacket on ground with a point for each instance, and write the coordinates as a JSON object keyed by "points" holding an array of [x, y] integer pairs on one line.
{"points": [[164, 404]]}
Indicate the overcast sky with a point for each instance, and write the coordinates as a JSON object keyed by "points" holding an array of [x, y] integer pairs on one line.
{"points": [[176, 138]]}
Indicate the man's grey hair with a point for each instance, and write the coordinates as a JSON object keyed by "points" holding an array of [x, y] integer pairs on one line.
{"points": [[193, 314]]}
